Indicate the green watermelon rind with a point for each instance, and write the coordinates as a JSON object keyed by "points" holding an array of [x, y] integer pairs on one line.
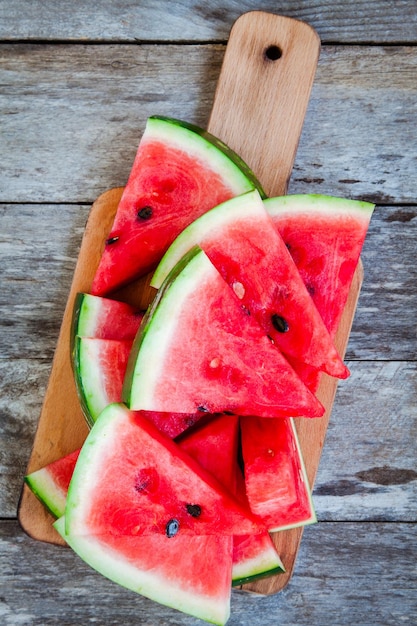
{"points": [[232, 167], [123, 572], [92, 399], [44, 488], [193, 233], [153, 319], [264, 564], [331, 206], [257, 575]]}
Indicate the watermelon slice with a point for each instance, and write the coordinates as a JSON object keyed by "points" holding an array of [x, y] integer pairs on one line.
{"points": [[130, 479], [180, 171], [188, 573], [104, 318], [99, 368], [239, 238], [275, 477], [50, 483], [197, 349], [324, 236]]}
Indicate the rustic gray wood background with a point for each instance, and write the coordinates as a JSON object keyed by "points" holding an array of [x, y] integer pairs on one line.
{"points": [[78, 80]]}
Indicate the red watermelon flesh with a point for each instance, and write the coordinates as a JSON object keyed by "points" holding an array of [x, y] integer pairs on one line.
{"points": [[130, 479], [188, 573], [199, 350], [214, 446], [325, 237], [275, 478], [179, 172], [239, 238], [104, 318], [50, 483]]}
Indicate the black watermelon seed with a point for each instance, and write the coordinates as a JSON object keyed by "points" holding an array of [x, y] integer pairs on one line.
{"points": [[194, 510], [202, 409], [172, 527], [112, 240], [279, 323], [145, 213]]}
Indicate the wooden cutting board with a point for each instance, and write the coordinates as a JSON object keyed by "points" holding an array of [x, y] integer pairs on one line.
{"points": [[259, 108]]}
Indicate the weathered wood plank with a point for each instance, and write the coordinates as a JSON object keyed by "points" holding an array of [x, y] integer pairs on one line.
{"points": [[346, 573], [367, 470], [39, 248], [72, 116], [124, 20]]}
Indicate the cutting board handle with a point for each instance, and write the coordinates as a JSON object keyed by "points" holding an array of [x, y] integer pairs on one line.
{"points": [[263, 93]]}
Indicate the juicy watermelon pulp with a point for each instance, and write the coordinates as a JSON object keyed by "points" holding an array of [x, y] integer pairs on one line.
{"points": [[180, 171], [325, 236]]}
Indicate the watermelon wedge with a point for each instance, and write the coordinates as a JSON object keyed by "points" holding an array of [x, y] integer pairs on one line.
{"points": [[50, 483], [240, 240], [180, 171], [130, 479], [324, 236], [276, 482], [198, 350], [104, 318], [188, 573], [99, 368]]}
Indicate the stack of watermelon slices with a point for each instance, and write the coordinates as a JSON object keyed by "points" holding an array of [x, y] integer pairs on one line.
{"points": [[192, 457]]}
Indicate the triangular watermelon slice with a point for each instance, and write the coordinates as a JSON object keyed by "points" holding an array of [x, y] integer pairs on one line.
{"points": [[276, 481], [197, 349], [180, 171], [130, 479], [241, 241], [188, 573]]}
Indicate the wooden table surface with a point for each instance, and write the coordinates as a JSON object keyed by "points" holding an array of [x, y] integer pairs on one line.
{"points": [[78, 81]]}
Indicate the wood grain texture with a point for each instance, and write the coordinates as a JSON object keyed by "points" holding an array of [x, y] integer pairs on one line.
{"points": [[77, 112], [347, 573], [354, 21]]}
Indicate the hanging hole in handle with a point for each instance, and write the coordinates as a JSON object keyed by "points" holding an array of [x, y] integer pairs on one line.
{"points": [[273, 53]]}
